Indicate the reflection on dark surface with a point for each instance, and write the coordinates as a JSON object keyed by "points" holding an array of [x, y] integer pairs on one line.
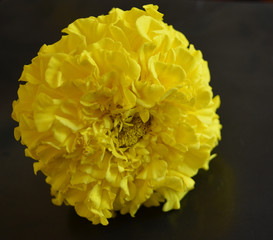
{"points": [[207, 210], [210, 207]]}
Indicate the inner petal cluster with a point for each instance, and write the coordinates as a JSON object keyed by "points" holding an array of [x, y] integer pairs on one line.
{"points": [[132, 131]]}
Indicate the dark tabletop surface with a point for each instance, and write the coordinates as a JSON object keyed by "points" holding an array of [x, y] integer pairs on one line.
{"points": [[233, 200]]}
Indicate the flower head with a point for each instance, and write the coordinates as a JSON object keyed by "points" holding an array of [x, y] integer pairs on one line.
{"points": [[118, 113]]}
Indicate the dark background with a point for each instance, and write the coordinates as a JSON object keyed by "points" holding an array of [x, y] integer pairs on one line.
{"points": [[233, 200]]}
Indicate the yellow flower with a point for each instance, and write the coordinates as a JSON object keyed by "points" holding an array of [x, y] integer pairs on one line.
{"points": [[118, 113]]}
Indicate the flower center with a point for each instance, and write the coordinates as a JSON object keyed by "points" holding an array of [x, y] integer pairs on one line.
{"points": [[132, 132]]}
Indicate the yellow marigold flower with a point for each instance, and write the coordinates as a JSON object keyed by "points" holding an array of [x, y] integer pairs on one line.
{"points": [[118, 113]]}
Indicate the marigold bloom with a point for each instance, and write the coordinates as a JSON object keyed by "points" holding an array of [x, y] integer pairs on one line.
{"points": [[118, 113]]}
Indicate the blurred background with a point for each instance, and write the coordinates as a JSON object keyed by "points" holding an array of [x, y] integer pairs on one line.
{"points": [[247, 1], [233, 200]]}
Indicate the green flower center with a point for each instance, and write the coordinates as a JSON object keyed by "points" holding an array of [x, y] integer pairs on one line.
{"points": [[132, 132]]}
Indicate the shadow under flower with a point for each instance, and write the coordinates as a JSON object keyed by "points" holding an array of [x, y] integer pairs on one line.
{"points": [[206, 212]]}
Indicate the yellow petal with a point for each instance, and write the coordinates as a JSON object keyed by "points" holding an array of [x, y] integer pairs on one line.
{"points": [[170, 75], [144, 115], [203, 98], [86, 27], [146, 25], [74, 126], [95, 195], [149, 94], [152, 11], [173, 200], [53, 75], [43, 121]]}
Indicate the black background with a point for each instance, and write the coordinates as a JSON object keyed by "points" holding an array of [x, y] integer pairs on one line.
{"points": [[233, 200]]}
